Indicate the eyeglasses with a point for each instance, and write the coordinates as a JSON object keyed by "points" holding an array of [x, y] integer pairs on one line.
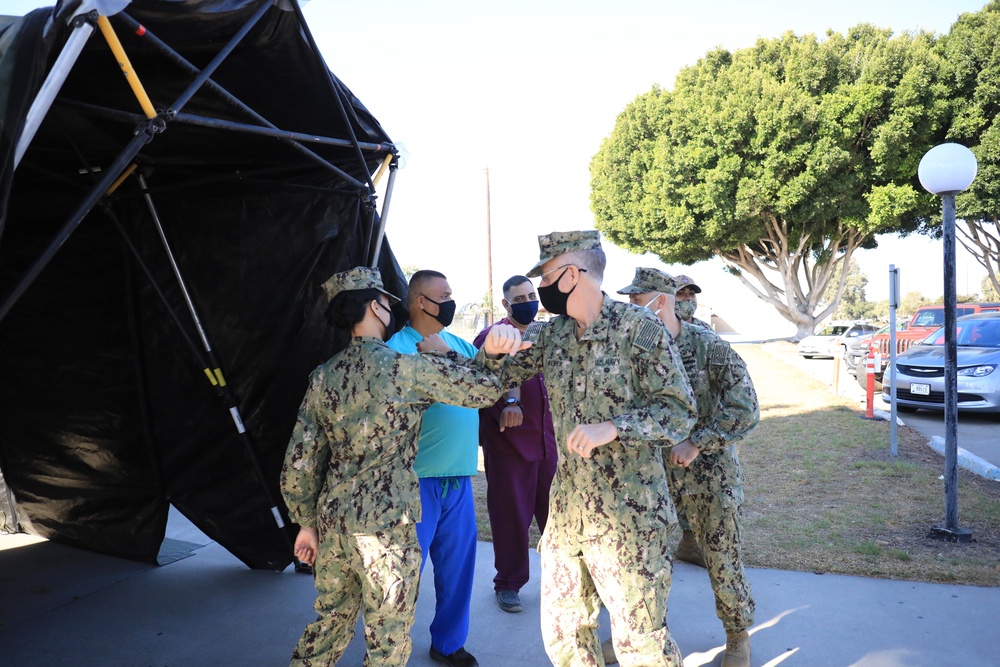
{"points": [[542, 277]]}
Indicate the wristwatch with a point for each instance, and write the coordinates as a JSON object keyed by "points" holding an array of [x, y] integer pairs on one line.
{"points": [[511, 402]]}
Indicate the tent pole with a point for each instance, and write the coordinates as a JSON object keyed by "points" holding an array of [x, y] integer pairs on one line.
{"points": [[139, 139], [137, 256], [214, 372], [205, 121], [336, 91], [380, 235], [131, 77], [343, 114], [288, 137], [83, 27], [200, 80]]}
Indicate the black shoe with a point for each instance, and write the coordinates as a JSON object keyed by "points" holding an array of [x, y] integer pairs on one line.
{"points": [[509, 601], [460, 658]]}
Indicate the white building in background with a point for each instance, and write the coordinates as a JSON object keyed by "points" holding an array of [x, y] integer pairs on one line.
{"points": [[743, 319]]}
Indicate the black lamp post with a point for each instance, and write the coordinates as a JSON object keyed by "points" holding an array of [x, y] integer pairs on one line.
{"points": [[946, 170]]}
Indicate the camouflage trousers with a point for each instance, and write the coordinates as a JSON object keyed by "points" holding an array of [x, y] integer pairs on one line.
{"points": [[714, 519], [376, 573], [631, 574]]}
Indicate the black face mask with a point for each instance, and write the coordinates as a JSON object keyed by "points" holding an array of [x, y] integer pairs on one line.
{"points": [[552, 299], [446, 311], [390, 328]]}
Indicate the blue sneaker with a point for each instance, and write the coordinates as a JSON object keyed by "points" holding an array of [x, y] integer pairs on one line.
{"points": [[509, 601]]}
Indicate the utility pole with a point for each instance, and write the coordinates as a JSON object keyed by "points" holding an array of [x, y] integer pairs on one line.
{"points": [[489, 254]]}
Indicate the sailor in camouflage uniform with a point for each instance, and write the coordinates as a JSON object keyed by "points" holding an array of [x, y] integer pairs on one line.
{"points": [[617, 392], [686, 301], [348, 477], [706, 481], [685, 305]]}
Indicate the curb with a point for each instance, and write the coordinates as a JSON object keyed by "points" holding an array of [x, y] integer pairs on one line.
{"points": [[968, 460]]}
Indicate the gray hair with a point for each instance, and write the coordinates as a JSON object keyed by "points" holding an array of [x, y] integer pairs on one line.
{"points": [[593, 260]]}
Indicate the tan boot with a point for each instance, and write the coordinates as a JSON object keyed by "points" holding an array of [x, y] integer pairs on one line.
{"points": [[608, 649], [737, 650], [689, 551]]}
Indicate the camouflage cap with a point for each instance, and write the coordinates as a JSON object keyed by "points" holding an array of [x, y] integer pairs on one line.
{"points": [[360, 277], [560, 243], [685, 281], [650, 280]]}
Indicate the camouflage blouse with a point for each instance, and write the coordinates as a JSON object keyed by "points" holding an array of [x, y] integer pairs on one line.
{"points": [[624, 368], [727, 401], [349, 464]]}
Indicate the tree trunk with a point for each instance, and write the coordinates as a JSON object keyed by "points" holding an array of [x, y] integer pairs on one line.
{"points": [[984, 245], [789, 277], [805, 330]]}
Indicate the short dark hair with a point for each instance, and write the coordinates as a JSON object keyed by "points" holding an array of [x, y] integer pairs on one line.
{"points": [[514, 281], [417, 281], [348, 308]]}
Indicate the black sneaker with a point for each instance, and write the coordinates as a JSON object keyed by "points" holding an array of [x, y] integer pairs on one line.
{"points": [[460, 658], [509, 601]]}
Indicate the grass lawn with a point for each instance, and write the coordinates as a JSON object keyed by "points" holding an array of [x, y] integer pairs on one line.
{"points": [[823, 493]]}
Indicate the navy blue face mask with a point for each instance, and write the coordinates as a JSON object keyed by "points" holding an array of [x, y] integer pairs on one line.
{"points": [[446, 311], [524, 313]]}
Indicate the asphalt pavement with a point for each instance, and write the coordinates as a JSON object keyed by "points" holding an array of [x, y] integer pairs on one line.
{"points": [[61, 606], [68, 607]]}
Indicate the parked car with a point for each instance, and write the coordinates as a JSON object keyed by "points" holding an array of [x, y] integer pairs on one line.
{"points": [[924, 322], [920, 370], [857, 352], [832, 339]]}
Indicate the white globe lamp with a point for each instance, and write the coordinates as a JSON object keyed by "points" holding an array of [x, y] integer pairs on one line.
{"points": [[947, 169]]}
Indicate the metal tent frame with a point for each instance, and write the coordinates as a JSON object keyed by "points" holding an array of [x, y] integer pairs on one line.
{"points": [[127, 166]]}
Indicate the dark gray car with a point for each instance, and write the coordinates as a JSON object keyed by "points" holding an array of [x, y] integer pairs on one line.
{"points": [[920, 370], [857, 351]]}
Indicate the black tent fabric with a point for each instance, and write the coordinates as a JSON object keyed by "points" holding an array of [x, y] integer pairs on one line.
{"points": [[110, 407]]}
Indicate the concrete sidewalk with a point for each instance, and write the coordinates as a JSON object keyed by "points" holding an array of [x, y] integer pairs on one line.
{"points": [[64, 606]]}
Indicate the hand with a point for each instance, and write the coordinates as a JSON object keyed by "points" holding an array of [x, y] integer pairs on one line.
{"points": [[510, 417], [684, 453], [585, 438], [307, 545], [433, 343], [504, 339]]}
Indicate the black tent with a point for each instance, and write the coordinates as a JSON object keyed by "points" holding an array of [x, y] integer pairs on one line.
{"points": [[162, 250]]}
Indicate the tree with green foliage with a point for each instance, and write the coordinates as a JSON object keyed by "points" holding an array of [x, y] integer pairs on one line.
{"points": [[971, 67], [911, 303], [483, 312], [781, 159], [853, 304], [409, 270], [989, 290], [880, 310]]}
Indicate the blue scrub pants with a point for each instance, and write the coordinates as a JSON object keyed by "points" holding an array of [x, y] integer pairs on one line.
{"points": [[447, 531]]}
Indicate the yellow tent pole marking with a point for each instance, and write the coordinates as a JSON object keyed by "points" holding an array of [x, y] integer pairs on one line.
{"points": [[382, 168], [133, 79], [121, 179], [211, 378], [218, 374]]}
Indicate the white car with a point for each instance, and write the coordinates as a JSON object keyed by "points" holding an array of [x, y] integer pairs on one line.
{"points": [[832, 340]]}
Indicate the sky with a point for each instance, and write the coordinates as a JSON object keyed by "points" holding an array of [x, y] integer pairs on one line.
{"points": [[529, 89]]}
